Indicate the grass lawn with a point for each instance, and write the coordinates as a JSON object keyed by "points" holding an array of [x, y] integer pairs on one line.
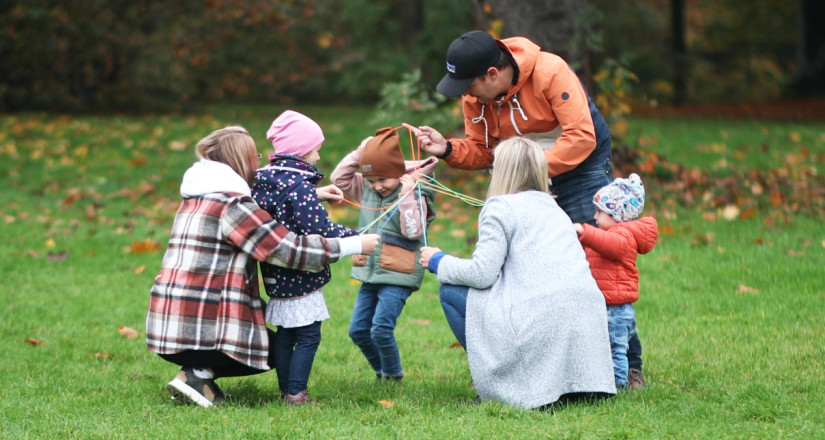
{"points": [[730, 316]]}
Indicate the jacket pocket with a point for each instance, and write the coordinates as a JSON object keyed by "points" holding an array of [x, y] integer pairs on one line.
{"points": [[397, 254]]}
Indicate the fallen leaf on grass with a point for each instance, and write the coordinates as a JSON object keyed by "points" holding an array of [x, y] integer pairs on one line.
{"points": [[143, 247], [34, 341], [794, 253], [57, 256], [748, 213], [456, 345], [731, 212], [103, 355], [386, 403], [139, 270], [746, 289], [128, 332], [420, 321]]}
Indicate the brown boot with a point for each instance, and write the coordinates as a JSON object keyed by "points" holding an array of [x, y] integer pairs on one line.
{"points": [[635, 379], [302, 398]]}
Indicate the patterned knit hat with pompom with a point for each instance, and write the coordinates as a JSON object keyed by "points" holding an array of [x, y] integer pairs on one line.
{"points": [[622, 199]]}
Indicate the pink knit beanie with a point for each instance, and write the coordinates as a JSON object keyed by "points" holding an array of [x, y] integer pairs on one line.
{"points": [[294, 133]]}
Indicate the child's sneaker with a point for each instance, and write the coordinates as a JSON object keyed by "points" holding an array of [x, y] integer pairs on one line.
{"points": [[635, 379], [187, 388]]}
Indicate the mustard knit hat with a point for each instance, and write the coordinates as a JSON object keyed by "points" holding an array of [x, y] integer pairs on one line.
{"points": [[382, 155]]}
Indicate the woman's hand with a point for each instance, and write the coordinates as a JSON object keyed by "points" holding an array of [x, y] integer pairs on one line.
{"points": [[368, 243], [426, 253], [330, 193], [579, 229]]}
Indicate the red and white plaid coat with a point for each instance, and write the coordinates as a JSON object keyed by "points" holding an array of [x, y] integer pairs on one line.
{"points": [[206, 295]]}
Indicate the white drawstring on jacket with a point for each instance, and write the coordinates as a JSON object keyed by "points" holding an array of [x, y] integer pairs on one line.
{"points": [[480, 118], [511, 102], [518, 106]]}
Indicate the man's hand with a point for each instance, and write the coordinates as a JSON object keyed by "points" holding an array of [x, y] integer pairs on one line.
{"points": [[429, 139]]}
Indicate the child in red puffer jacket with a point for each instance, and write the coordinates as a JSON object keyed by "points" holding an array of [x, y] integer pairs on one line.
{"points": [[612, 249]]}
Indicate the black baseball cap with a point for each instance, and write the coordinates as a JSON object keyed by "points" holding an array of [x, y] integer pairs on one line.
{"points": [[468, 57]]}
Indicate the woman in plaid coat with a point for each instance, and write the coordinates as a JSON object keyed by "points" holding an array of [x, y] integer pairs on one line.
{"points": [[205, 310]]}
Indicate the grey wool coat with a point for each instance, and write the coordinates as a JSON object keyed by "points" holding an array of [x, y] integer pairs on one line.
{"points": [[536, 322]]}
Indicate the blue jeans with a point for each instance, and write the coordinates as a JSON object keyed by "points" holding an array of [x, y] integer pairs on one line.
{"points": [[372, 326], [621, 325], [454, 302], [295, 350]]}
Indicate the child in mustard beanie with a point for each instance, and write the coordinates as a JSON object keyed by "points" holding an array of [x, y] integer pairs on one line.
{"points": [[386, 186]]}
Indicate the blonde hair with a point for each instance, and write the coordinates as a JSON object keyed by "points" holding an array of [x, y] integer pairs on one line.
{"points": [[233, 146], [519, 165]]}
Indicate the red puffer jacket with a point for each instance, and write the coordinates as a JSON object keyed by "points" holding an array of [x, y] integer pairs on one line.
{"points": [[612, 256]]}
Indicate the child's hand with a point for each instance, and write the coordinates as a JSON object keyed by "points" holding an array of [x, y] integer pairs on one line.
{"points": [[426, 253], [330, 193], [579, 228], [407, 184], [368, 243]]}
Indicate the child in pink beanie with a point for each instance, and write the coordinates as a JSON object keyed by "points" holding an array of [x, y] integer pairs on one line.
{"points": [[294, 134], [286, 188]]}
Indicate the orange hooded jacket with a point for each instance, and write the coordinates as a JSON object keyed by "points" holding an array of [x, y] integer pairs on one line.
{"points": [[548, 104]]}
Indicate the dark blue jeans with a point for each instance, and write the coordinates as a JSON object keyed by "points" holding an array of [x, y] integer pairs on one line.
{"points": [[295, 350], [454, 302], [372, 327], [574, 194]]}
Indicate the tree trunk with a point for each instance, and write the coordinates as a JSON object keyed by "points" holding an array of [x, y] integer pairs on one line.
{"points": [[679, 46], [811, 55], [411, 23], [555, 25]]}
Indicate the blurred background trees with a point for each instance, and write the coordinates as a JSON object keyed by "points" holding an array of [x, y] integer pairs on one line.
{"points": [[140, 55]]}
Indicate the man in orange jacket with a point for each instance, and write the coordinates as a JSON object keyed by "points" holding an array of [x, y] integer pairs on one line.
{"points": [[510, 87]]}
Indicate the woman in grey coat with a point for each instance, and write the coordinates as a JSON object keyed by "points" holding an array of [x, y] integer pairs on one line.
{"points": [[534, 318]]}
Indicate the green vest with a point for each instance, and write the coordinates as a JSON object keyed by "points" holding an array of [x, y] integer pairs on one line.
{"points": [[397, 245]]}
